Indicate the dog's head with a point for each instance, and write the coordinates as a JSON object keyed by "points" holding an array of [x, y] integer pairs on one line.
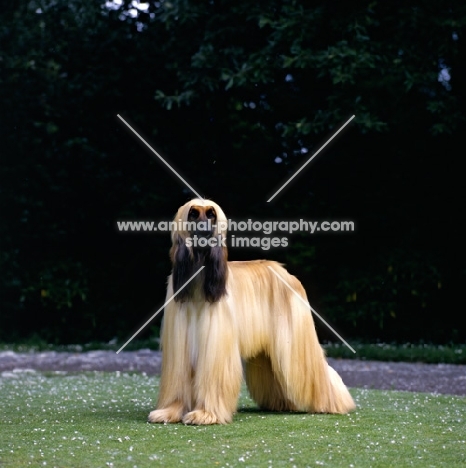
{"points": [[199, 239], [199, 219]]}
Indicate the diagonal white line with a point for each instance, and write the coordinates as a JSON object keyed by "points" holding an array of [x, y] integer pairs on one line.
{"points": [[158, 155], [161, 308], [307, 162], [310, 307]]}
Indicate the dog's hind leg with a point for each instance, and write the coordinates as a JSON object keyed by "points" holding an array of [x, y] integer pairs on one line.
{"points": [[299, 364], [263, 387]]}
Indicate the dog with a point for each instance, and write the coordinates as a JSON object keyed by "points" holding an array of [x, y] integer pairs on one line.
{"points": [[230, 313]]}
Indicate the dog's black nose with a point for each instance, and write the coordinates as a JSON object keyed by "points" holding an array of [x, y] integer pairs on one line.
{"points": [[203, 233]]}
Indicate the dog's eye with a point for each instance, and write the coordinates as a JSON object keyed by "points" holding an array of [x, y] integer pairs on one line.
{"points": [[193, 214], [210, 213]]}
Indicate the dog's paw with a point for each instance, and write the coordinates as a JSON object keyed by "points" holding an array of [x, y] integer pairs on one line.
{"points": [[203, 417], [166, 415]]}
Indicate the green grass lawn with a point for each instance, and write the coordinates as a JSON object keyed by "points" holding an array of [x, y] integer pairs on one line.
{"points": [[99, 420]]}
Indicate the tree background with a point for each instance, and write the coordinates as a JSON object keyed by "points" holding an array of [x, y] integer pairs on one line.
{"points": [[236, 96]]}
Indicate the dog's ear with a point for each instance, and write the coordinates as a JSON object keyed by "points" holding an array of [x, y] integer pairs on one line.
{"points": [[215, 274], [183, 268]]}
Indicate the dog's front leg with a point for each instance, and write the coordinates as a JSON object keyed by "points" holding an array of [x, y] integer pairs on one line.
{"points": [[175, 395], [216, 392], [218, 371]]}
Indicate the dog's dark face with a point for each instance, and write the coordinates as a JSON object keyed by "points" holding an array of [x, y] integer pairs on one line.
{"points": [[204, 219]]}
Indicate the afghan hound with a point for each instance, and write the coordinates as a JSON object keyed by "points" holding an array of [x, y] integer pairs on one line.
{"points": [[233, 312]]}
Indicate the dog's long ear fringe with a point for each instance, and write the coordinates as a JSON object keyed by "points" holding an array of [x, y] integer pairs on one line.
{"points": [[183, 269], [215, 274], [211, 282]]}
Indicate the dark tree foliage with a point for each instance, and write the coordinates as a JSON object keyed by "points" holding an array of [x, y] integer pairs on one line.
{"points": [[237, 96]]}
